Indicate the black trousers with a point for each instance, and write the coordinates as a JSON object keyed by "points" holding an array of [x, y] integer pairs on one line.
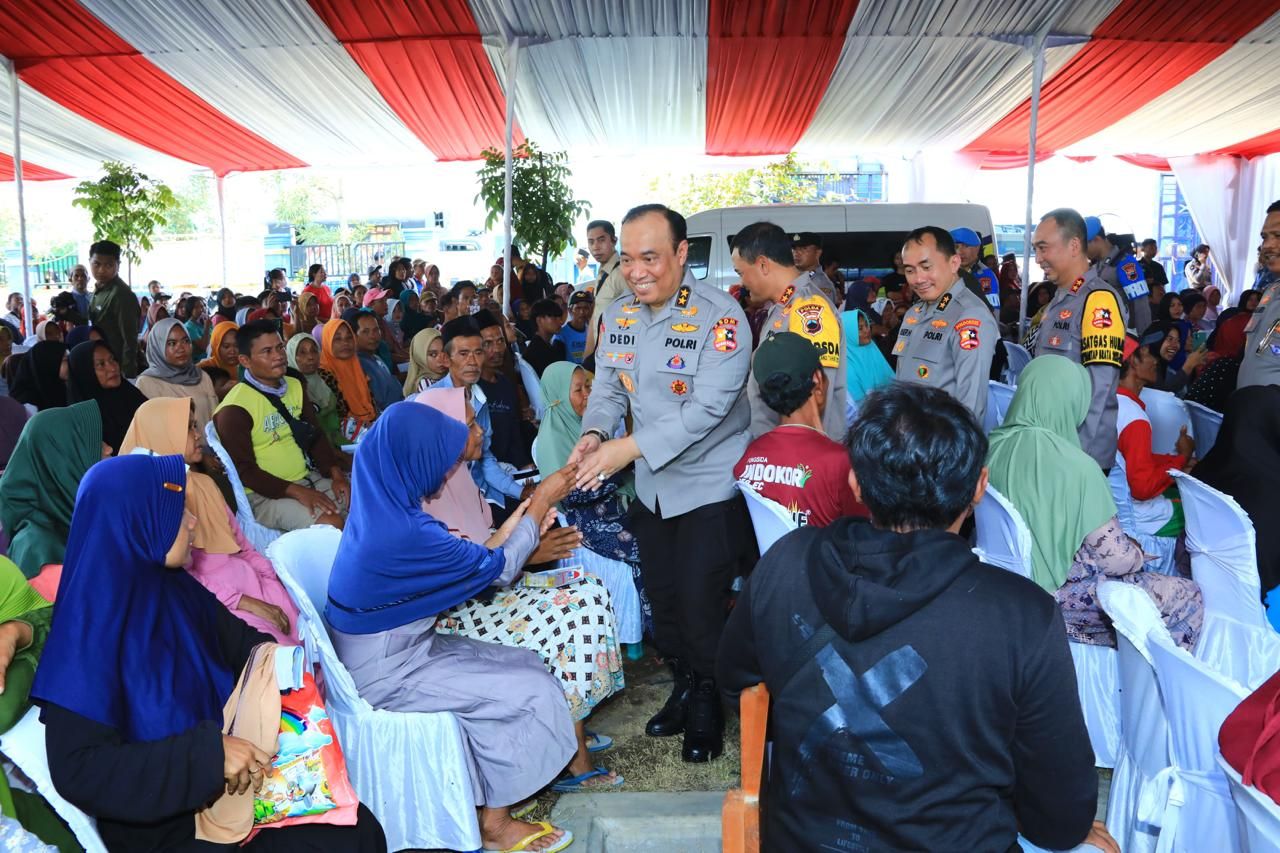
{"points": [[688, 563]]}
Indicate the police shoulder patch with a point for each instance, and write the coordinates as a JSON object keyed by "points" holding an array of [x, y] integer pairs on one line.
{"points": [[812, 318], [1101, 329]]}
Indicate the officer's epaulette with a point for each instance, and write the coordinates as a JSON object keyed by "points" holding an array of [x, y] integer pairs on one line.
{"points": [[682, 296], [944, 302]]}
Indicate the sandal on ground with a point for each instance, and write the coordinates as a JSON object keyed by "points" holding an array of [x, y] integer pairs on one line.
{"points": [[522, 810], [576, 784], [597, 742], [544, 829]]}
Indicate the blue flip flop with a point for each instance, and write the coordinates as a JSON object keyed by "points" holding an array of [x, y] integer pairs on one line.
{"points": [[574, 784], [597, 742]]}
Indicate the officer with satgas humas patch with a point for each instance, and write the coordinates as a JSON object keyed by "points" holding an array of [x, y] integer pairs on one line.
{"points": [[1083, 322], [676, 356], [948, 337]]}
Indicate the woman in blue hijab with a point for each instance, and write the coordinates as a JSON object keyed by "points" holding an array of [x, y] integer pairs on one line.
{"points": [[397, 567], [867, 370], [138, 664]]}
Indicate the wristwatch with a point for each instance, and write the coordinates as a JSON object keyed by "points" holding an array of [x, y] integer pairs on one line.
{"points": [[598, 433]]}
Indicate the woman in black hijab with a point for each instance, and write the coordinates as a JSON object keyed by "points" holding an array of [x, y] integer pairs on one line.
{"points": [[94, 374], [40, 381], [1245, 464]]}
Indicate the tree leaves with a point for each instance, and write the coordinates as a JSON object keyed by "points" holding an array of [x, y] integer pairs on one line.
{"points": [[544, 211], [125, 206]]}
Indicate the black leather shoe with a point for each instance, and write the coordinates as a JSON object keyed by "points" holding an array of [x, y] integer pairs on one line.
{"points": [[670, 719], [704, 726]]}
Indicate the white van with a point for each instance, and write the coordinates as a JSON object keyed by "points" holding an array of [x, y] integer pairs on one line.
{"points": [[863, 237]]}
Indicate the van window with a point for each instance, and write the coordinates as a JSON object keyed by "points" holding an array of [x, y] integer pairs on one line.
{"points": [[699, 260], [860, 253]]}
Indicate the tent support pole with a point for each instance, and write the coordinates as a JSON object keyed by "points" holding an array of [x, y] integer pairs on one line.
{"points": [[22, 210], [513, 65], [1037, 80], [222, 228]]}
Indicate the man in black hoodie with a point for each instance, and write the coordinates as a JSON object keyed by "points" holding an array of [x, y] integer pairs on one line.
{"points": [[921, 700]]}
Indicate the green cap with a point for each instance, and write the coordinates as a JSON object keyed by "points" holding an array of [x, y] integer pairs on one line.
{"points": [[783, 361]]}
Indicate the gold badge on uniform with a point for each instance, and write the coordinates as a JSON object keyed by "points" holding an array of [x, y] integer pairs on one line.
{"points": [[625, 379], [682, 296], [922, 372], [626, 322], [633, 308], [679, 387], [683, 327], [691, 311]]}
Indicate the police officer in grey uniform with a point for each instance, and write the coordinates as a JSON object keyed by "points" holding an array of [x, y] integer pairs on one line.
{"points": [[1084, 321], [806, 254], [677, 358], [1261, 364], [1105, 257], [948, 338], [763, 260]]}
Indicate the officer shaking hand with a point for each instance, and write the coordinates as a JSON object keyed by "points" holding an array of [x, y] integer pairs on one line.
{"points": [[676, 356], [948, 338]]}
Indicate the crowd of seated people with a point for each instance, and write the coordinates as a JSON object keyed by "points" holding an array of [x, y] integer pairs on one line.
{"points": [[402, 412]]}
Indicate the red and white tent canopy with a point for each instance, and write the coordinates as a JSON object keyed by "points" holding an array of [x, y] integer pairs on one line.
{"points": [[244, 85]]}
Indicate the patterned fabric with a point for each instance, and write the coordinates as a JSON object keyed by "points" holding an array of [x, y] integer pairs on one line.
{"points": [[332, 381], [571, 629], [1108, 553], [601, 518]]}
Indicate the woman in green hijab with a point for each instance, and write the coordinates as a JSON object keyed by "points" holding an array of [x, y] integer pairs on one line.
{"points": [[24, 625], [304, 357], [38, 489], [1035, 461]]}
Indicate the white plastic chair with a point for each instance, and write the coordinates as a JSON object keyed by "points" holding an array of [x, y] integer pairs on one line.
{"points": [[1168, 416], [1019, 358], [1205, 423], [999, 395], [24, 746], [1257, 815], [770, 520], [258, 535], [1144, 731], [410, 769], [1236, 640], [1004, 540], [1191, 802], [532, 389], [1160, 548]]}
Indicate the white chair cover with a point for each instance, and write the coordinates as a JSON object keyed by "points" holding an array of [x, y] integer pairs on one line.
{"points": [[618, 578], [1168, 416], [532, 389], [1003, 537], [1144, 731], [410, 769], [1205, 422], [1004, 540], [770, 520], [24, 746], [999, 395], [1019, 358], [1257, 815], [1237, 640], [258, 535], [1159, 548], [1190, 801]]}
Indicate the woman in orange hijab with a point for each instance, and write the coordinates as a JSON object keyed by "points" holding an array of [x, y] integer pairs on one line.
{"points": [[341, 371], [222, 349], [222, 560]]}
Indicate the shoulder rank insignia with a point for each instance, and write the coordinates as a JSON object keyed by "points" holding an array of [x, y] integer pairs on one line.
{"points": [[787, 294], [944, 302], [682, 296]]}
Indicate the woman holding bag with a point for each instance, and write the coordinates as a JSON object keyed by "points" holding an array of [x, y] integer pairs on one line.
{"points": [[133, 707]]}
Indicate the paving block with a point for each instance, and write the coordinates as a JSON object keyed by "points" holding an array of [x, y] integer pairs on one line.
{"points": [[685, 822]]}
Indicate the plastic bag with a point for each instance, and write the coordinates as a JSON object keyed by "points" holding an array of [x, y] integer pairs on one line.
{"points": [[308, 782]]}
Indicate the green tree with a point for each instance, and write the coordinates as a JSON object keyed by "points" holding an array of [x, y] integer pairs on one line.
{"points": [[787, 181], [127, 207], [543, 209], [191, 212]]}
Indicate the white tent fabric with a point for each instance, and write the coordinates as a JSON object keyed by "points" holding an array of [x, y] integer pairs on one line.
{"points": [[1228, 198], [1242, 84], [273, 67], [59, 139]]}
